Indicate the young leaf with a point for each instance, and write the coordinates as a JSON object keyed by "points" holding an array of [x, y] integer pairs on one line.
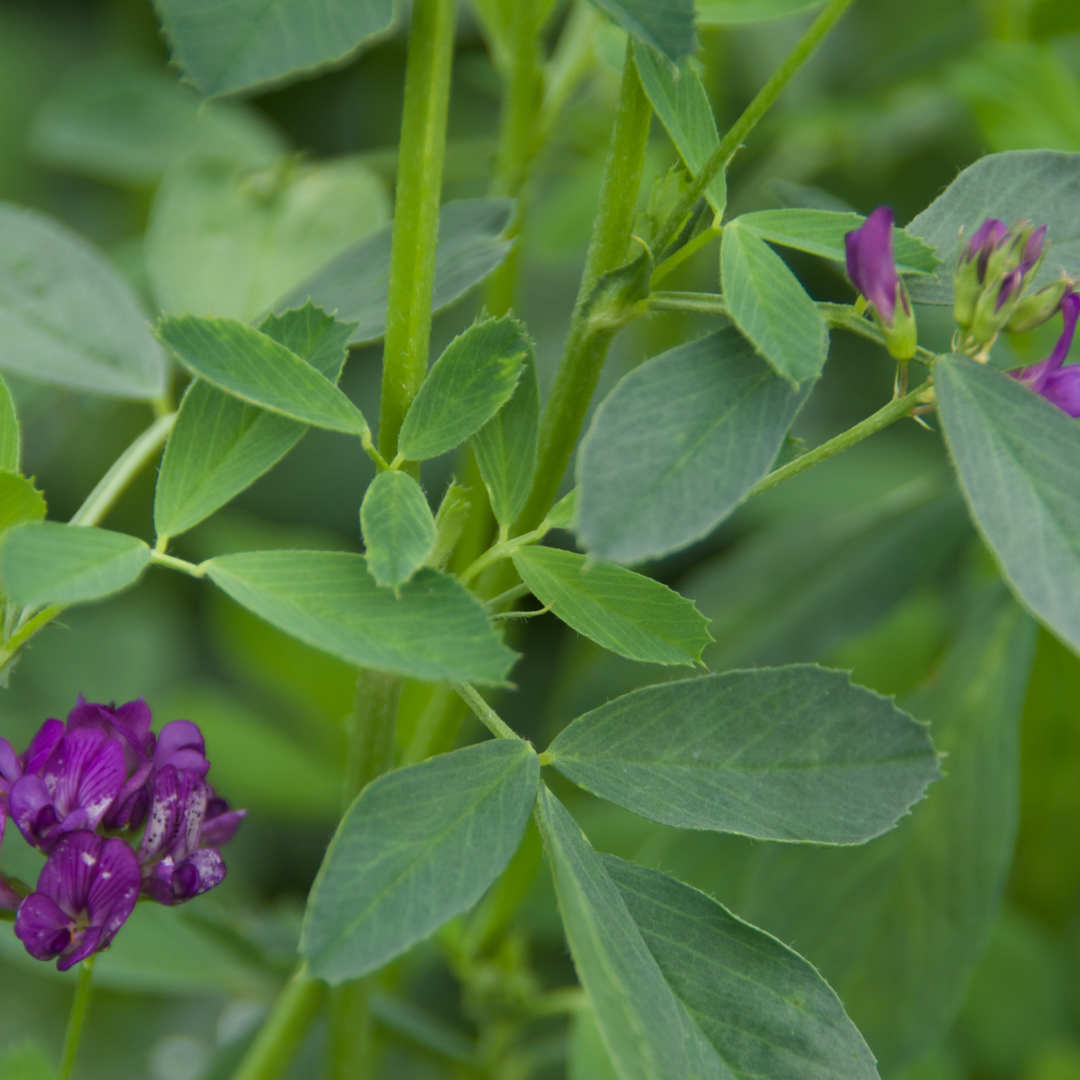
{"points": [[398, 527], [417, 847], [666, 25], [770, 307], [46, 562], [355, 284], [255, 42], [562, 514], [625, 612], [433, 630], [1017, 456], [10, 434], [682, 103], [676, 445], [765, 1010], [735, 12], [253, 367], [219, 444], [465, 388], [19, 501], [450, 520], [795, 753], [66, 316], [506, 445], [821, 232]]}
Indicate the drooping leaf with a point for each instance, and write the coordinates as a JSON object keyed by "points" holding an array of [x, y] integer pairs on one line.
{"points": [[506, 446], [398, 527], [919, 903], [682, 103], [630, 614], [433, 630], [255, 42], [1041, 186], [1017, 457], [475, 376], [417, 847], [20, 501], [676, 445], [764, 1009], [10, 433], [66, 317], [770, 307], [794, 753], [665, 25], [44, 561], [356, 283], [821, 232], [735, 12], [254, 367], [219, 444]]}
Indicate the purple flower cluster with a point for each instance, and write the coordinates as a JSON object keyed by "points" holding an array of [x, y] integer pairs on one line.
{"points": [[82, 792]]}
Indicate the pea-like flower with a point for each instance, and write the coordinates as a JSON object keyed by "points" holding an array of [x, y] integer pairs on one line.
{"points": [[1059, 385]]}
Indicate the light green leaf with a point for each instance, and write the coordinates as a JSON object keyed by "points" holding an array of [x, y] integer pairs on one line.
{"points": [[20, 501], [625, 612], [219, 445], [253, 367], [255, 42], [417, 847], [677, 444], [681, 102], [1017, 456], [506, 445], [794, 753], [44, 561], [919, 903], [562, 514], [665, 25], [225, 240], [398, 527], [26, 1062], [821, 232], [10, 433], [356, 283], [66, 317], [770, 307], [434, 630], [1041, 186], [475, 376], [735, 12], [645, 1028], [587, 1058], [765, 1010]]}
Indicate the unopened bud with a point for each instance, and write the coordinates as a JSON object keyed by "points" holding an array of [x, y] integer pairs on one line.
{"points": [[1037, 307]]}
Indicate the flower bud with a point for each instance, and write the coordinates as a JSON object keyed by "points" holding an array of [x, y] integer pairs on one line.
{"points": [[1037, 307]]}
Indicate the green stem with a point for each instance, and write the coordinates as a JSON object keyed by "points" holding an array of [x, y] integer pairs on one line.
{"points": [[742, 127], [502, 550], [682, 254], [416, 213], [484, 712], [349, 1040], [281, 1035], [586, 345], [371, 732], [76, 1018], [159, 558]]}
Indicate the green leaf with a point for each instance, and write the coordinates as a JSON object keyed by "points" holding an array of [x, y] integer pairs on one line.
{"points": [[219, 445], [506, 446], [677, 444], [645, 1028], [475, 376], [665, 25], [26, 1062], [417, 847], [253, 367], [681, 102], [20, 501], [770, 307], [919, 903], [587, 1058], [735, 12], [1042, 186], [795, 753], [398, 527], [67, 318], [1017, 456], [10, 433], [225, 240], [434, 630], [765, 1010], [255, 42], [625, 612], [562, 514], [821, 232], [356, 283], [44, 561]]}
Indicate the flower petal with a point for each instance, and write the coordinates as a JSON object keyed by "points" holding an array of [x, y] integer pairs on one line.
{"points": [[181, 743], [42, 927], [42, 745], [115, 889], [71, 869], [89, 942]]}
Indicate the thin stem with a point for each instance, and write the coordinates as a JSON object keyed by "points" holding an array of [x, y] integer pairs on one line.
{"points": [[484, 712], [571, 62], [680, 255], [742, 127], [693, 302], [159, 558], [281, 1035], [371, 731], [515, 593], [502, 550], [76, 1018], [349, 1039], [416, 214]]}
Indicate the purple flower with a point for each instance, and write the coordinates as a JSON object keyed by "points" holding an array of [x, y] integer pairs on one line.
{"points": [[85, 893], [181, 745], [1060, 386]]}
